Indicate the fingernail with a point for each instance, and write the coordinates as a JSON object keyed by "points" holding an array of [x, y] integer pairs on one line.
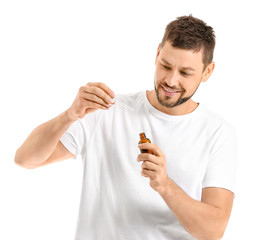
{"points": [[112, 94]]}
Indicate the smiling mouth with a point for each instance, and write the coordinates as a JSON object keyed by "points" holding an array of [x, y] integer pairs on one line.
{"points": [[170, 91]]}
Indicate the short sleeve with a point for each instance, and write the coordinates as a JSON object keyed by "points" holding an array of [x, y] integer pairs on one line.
{"points": [[78, 135], [222, 166]]}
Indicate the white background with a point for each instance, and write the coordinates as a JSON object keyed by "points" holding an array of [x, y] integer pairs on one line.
{"points": [[49, 48]]}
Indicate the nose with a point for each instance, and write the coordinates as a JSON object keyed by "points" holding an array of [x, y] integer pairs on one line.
{"points": [[172, 79]]}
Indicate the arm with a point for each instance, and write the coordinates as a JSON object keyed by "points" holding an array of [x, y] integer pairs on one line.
{"points": [[203, 220], [42, 146]]}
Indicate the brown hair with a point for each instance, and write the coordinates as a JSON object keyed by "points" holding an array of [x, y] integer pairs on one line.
{"points": [[190, 33]]}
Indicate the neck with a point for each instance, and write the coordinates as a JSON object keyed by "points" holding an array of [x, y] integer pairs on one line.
{"points": [[182, 109]]}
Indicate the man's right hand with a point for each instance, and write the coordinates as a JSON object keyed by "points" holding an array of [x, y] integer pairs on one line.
{"points": [[90, 98]]}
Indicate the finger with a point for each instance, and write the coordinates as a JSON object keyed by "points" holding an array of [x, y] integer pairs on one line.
{"points": [[150, 166], [93, 98], [104, 87], [99, 92], [148, 157], [95, 105], [147, 173], [152, 147]]}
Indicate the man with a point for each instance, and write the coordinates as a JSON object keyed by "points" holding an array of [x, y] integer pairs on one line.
{"points": [[185, 189]]}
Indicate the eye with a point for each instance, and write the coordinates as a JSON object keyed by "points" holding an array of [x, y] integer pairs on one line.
{"points": [[165, 67], [184, 73]]}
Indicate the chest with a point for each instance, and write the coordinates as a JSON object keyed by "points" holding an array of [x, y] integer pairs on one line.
{"points": [[186, 154]]}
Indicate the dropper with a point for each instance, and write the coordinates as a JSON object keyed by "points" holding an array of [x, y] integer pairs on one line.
{"points": [[122, 104]]}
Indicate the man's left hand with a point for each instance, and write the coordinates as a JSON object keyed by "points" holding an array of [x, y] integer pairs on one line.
{"points": [[154, 166]]}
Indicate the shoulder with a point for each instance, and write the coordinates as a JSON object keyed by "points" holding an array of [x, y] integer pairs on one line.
{"points": [[218, 127]]}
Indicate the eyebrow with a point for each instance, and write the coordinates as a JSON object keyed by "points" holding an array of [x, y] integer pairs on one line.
{"points": [[184, 68]]}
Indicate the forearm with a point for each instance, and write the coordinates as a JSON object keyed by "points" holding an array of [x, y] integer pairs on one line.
{"points": [[201, 220], [43, 140]]}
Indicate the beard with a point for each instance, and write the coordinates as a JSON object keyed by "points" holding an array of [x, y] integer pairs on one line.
{"points": [[167, 101]]}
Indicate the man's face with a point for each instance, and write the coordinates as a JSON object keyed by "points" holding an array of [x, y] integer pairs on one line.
{"points": [[178, 75]]}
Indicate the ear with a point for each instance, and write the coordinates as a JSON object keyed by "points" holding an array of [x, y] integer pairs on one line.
{"points": [[208, 71], [157, 53]]}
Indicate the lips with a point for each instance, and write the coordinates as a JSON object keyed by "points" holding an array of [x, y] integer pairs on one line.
{"points": [[169, 92]]}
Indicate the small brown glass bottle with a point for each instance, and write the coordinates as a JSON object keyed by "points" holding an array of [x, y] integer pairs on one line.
{"points": [[143, 139]]}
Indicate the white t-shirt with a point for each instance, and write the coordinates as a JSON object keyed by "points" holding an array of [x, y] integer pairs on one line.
{"points": [[117, 202]]}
